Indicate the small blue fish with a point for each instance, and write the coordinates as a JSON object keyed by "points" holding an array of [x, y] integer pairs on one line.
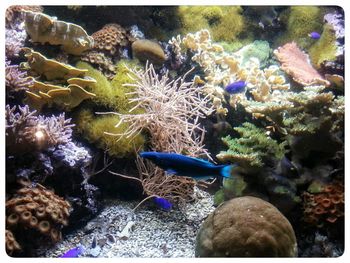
{"points": [[236, 87], [73, 253], [163, 203], [314, 35], [182, 165]]}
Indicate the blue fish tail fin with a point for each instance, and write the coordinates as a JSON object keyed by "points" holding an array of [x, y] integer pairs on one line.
{"points": [[226, 171]]}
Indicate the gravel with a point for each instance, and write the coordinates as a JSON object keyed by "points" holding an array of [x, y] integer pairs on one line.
{"points": [[148, 232]]}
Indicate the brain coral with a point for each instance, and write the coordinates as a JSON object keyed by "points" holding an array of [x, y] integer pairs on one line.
{"points": [[37, 208], [246, 227]]}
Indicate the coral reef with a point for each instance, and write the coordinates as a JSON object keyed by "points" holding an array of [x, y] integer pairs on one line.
{"points": [[144, 50], [253, 148], [246, 227], [49, 93], [224, 23], [39, 209], [45, 29], [296, 63], [26, 132], [325, 206]]}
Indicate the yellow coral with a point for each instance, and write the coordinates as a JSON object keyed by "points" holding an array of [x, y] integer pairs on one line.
{"points": [[325, 48], [225, 23], [94, 129], [50, 68], [111, 94]]}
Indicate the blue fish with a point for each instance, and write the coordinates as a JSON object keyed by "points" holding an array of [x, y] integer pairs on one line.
{"points": [[236, 87], [314, 35], [182, 165], [73, 253], [163, 203]]}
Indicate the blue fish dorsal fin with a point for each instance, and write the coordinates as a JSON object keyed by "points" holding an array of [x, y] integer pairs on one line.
{"points": [[171, 171], [201, 161]]}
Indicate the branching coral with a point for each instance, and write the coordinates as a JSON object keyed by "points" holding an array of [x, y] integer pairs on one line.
{"points": [[254, 148], [15, 79], [14, 40], [222, 68], [172, 111], [39, 209], [25, 131]]}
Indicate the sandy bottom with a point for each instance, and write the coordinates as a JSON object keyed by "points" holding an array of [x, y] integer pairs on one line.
{"points": [[148, 232]]}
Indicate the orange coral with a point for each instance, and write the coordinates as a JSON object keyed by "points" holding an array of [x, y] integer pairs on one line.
{"points": [[36, 208], [296, 63], [326, 206], [11, 243]]}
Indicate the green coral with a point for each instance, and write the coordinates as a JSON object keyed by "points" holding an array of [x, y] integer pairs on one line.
{"points": [[300, 21], [254, 148], [258, 49], [325, 48], [225, 23], [93, 128], [111, 94]]}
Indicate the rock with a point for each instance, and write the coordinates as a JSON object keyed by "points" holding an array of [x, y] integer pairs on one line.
{"points": [[144, 50], [246, 227]]}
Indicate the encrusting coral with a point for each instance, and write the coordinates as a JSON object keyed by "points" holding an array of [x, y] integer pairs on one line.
{"points": [[16, 12], [54, 73], [27, 132], [296, 63], [45, 29], [36, 208]]}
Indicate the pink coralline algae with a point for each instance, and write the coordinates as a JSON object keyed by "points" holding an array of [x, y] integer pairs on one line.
{"points": [[296, 64]]}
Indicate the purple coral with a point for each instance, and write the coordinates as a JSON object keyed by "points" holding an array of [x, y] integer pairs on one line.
{"points": [[16, 80], [14, 40], [26, 131]]}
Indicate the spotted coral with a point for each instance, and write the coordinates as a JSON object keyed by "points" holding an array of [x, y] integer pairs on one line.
{"points": [[39, 209], [327, 206]]}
